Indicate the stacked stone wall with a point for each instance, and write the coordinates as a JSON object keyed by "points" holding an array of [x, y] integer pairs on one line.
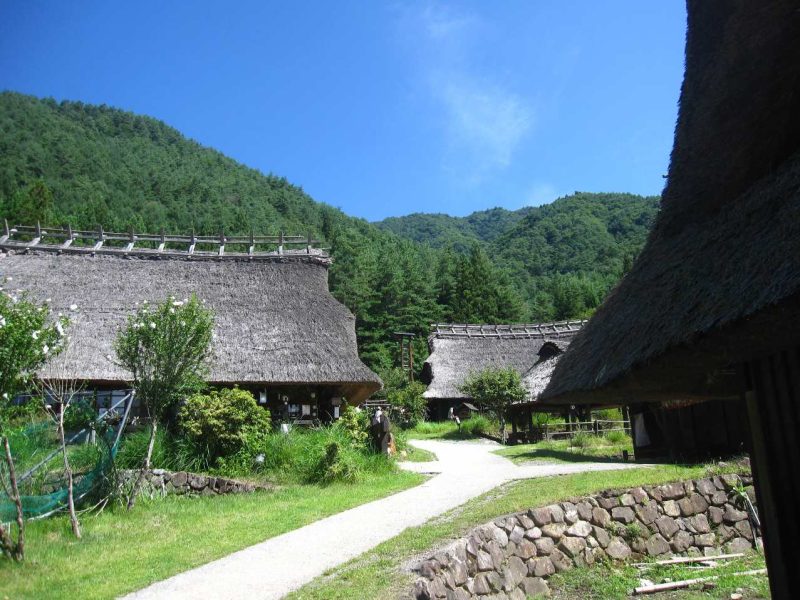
{"points": [[159, 482], [512, 557]]}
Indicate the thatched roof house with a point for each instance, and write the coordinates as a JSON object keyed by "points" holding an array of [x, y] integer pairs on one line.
{"points": [[278, 330], [456, 351], [711, 308]]}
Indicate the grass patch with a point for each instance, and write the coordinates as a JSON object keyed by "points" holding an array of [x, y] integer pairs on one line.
{"points": [[414, 454], [448, 430], [122, 552], [589, 448], [380, 573], [609, 581]]}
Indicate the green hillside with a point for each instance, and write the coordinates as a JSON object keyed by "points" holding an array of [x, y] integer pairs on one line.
{"points": [[89, 165]]}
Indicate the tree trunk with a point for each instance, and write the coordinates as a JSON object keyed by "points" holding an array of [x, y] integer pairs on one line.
{"points": [[73, 517], [15, 549], [140, 479], [502, 428]]}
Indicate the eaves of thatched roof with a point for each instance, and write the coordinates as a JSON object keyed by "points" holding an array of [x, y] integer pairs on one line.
{"points": [[718, 281], [275, 319], [455, 354]]}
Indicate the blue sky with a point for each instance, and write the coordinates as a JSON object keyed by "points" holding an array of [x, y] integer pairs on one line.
{"points": [[381, 108]]}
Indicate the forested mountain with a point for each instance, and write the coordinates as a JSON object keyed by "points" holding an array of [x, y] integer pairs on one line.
{"points": [[439, 230], [89, 165]]}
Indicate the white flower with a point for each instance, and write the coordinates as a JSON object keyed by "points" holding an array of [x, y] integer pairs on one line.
{"points": [[5, 395], [35, 334], [185, 300], [177, 303], [152, 325], [9, 279], [45, 349], [59, 329], [2, 321], [144, 302], [172, 311], [73, 307], [48, 300], [183, 323], [108, 357]]}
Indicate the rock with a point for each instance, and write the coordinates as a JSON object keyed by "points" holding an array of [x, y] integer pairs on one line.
{"points": [[584, 511], [525, 521], [473, 545], [671, 508], [638, 545], [600, 516], [525, 550], [624, 514], [627, 500], [655, 494], [514, 573], [535, 587], [602, 536], [540, 516], [681, 541], [516, 594], [437, 588], [561, 561], [554, 530], [706, 487], [692, 551], [640, 495], [494, 550], [704, 540], [618, 550], [544, 546], [672, 491], [719, 498], [421, 590], [484, 561], [666, 526], [534, 533], [744, 529], [645, 583], [495, 581], [656, 545], [500, 536], [480, 585], [647, 513], [459, 571], [179, 479], [198, 482], [708, 585], [429, 568], [579, 529], [736, 596], [517, 534], [692, 504], [608, 502], [733, 515], [725, 533], [738, 544], [541, 567], [730, 480], [698, 524], [716, 514], [457, 594], [572, 546], [556, 513]]}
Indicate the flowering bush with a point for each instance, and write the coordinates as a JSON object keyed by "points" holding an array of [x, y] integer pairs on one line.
{"points": [[27, 339]]}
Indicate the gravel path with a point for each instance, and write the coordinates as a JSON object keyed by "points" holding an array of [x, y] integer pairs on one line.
{"points": [[272, 568]]}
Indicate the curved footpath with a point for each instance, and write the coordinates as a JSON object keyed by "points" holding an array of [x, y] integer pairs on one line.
{"points": [[286, 562]]}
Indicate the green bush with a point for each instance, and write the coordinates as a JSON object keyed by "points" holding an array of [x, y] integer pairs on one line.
{"points": [[355, 424], [169, 452], [223, 422], [335, 465], [582, 439], [617, 437], [407, 407], [476, 425]]}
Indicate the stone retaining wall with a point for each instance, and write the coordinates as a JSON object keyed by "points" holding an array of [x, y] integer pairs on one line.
{"points": [[159, 482], [512, 557]]}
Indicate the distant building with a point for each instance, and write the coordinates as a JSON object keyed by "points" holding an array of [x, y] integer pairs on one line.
{"points": [[278, 331], [706, 326], [456, 351]]}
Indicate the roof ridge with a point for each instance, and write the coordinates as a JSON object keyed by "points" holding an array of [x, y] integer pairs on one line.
{"points": [[65, 240], [553, 329]]}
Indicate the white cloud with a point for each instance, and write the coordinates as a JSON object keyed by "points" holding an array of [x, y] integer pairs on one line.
{"points": [[484, 121]]}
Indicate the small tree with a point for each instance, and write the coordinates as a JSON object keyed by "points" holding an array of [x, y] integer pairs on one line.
{"points": [[27, 339], [407, 405], [165, 348], [496, 390]]}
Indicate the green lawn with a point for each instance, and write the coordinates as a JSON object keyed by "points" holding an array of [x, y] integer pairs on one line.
{"points": [[596, 449], [414, 454], [121, 552], [612, 582], [383, 573]]}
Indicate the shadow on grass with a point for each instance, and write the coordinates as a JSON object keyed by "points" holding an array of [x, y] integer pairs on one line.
{"points": [[565, 456]]}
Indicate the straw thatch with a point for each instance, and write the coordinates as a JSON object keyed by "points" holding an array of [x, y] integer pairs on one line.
{"points": [[455, 354], [538, 376], [719, 279], [275, 320]]}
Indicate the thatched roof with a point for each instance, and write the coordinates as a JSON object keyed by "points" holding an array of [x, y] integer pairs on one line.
{"points": [[276, 321], [538, 376], [719, 279], [459, 350]]}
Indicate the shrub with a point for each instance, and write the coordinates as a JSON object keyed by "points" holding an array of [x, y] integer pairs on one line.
{"points": [[355, 425], [583, 439], [617, 437], [407, 406], [476, 425], [495, 390], [223, 422], [335, 465]]}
